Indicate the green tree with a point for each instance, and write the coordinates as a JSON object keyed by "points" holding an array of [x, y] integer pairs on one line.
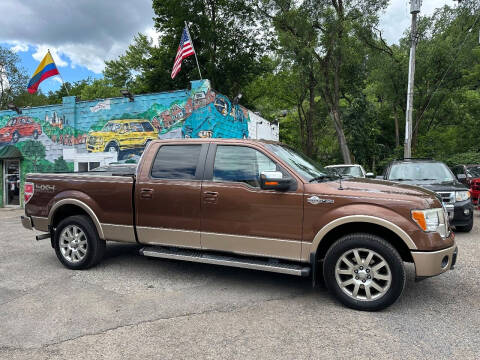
{"points": [[34, 151], [87, 89], [60, 165], [324, 38], [13, 79], [225, 34]]}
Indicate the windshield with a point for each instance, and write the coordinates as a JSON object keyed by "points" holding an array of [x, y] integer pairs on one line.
{"points": [[353, 171], [304, 166], [474, 171], [420, 171]]}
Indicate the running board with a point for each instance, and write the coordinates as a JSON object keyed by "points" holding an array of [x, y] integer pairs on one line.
{"points": [[225, 260]]}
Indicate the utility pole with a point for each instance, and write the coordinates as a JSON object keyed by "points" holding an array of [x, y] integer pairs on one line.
{"points": [[414, 10]]}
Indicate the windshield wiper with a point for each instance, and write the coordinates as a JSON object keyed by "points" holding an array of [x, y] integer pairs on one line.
{"points": [[324, 176]]}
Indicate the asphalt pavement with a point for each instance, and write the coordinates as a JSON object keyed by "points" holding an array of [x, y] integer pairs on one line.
{"points": [[132, 307]]}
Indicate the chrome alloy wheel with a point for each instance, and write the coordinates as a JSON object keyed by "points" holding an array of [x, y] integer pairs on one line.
{"points": [[363, 274], [73, 244]]}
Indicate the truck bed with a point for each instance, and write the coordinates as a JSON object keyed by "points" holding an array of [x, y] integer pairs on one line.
{"points": [[108, 195]]}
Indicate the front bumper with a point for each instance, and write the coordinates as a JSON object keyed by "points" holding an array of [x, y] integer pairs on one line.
{"points": [[461, 214], [95, 148], [431, 263], [27, 222]]}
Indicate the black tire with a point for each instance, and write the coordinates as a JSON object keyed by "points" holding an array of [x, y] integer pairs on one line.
{"points": [[35, 134], [111, 146], [95, 246], [370, 243], [465, 228], [15, 137]]}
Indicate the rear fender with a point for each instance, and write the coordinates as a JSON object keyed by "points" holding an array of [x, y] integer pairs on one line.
{"points": [[79, 199]]}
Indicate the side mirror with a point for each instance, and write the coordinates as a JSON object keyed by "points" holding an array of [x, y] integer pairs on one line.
{"points": [[369, 175], [461, 177], [274, 180]]}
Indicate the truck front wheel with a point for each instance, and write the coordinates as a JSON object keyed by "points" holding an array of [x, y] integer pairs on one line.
{"points": [[364, 272], [77, 244]]}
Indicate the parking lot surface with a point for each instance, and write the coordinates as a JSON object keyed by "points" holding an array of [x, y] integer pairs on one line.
{"points": [[133, 307]]}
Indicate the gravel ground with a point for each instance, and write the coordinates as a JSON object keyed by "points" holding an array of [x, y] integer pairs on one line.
{"points": [[133, 307]]}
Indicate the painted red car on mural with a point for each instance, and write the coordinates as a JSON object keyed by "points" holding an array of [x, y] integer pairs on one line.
{"points": [[18, 127]]}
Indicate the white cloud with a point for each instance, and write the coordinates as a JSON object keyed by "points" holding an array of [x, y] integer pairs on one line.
{"points": [[19, 47], [41, 51], [57, 79], [396, 19], [78, 33], [152, 34]]}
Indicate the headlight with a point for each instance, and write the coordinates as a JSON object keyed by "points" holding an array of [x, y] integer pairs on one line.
{"points": [[431, 220], [97, 140], [462, 195]]}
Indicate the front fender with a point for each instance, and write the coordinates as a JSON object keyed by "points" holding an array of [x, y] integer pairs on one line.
{"points": [[359, 213]]}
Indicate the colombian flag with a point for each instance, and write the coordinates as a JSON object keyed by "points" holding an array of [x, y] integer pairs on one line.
{"points": [[46, 69]]}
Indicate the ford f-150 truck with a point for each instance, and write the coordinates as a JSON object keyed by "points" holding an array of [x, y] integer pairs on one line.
{"points": [[248, 204]]}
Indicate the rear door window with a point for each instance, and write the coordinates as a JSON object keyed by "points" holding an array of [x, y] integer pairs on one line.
{"points": [[147, 126], [176, 162], [136, 127]]}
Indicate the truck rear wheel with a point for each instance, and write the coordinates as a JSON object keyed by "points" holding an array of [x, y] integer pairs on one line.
{"points": [[77, 244], [364, 272]]}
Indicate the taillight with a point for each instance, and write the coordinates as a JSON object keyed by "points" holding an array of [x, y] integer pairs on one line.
{"points": [[28, 189]]}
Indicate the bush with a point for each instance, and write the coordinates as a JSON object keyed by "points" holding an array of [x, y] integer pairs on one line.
{"points": [[469, 157]]}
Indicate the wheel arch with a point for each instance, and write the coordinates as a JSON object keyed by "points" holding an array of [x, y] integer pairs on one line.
{"points": [[112, 141], [390, 232], [69, 207]]}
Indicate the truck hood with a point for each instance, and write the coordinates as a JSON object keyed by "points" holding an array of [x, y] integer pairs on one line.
{"points": [[384, 187], [96, 134], [370, 188], [438, 186]]}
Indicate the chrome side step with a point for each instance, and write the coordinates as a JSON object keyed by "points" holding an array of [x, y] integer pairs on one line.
{"points": [[225, 260]]}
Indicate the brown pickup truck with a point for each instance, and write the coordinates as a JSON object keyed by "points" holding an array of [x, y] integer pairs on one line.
{"points": [[248, 204]]}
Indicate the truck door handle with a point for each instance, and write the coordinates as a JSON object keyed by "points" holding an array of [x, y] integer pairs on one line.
{"points": [[211, 193], [210, 196], [146, 193]]}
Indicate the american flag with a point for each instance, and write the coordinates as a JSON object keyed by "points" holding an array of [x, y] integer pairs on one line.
{"points": [[185, 50]]}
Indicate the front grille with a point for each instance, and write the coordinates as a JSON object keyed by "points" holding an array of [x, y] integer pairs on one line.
{"points": [[447, 197]]}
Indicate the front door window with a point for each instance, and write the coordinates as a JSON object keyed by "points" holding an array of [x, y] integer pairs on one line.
{"points": [[12, 183]]}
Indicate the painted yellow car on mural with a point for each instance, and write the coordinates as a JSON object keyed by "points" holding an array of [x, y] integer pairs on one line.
{"points": [[118, 135]]}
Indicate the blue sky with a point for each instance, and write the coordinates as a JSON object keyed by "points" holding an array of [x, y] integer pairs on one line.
{"points": [[68, 73], [82, 34]]}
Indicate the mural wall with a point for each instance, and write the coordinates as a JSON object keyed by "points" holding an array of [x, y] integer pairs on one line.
{"points": [[77, 136]]}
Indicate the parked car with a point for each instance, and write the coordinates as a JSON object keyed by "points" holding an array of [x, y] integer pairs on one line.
{"points": [[470, 176], [249, 204], [354, 170], [18, 127], [436, 176], [123, 134]]}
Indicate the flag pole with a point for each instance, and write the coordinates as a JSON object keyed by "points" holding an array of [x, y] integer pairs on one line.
{"points": [[191, 41], [61, 77]]}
